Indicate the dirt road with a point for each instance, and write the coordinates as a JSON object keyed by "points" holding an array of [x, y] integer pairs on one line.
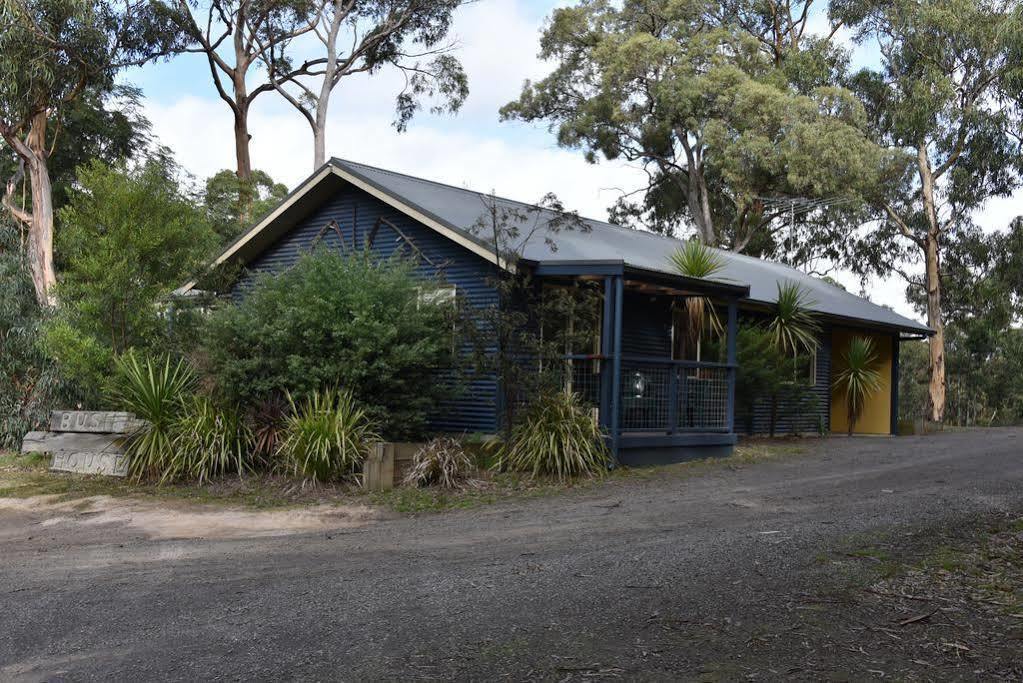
{"points": [[725, 575]]}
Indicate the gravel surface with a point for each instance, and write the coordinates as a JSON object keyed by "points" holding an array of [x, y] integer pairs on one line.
{"points": [[663, 578]]}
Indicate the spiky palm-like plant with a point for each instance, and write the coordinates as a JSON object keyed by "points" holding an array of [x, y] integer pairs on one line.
{"points": [[860, 378], [154, 390], [697, 260], [794, 327]]}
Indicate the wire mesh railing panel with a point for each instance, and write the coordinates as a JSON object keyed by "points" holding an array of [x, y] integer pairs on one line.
{"points": [[654, 395], [703, 398], [581, 376], [646, 396]]}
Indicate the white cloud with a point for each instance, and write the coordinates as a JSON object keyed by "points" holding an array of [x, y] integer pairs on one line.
{"points": [[199, 131]]}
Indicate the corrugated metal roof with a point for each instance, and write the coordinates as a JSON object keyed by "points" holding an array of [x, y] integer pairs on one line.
{"points": [[461, 209]]}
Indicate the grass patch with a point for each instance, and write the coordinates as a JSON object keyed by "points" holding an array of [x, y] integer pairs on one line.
{"points": [[23, 476]]}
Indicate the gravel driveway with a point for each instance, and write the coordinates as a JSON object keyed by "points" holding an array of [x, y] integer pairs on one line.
{"points": [[662, 578]]}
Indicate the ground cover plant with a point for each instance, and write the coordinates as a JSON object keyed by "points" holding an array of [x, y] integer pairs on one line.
{"points": [[442, 461]]}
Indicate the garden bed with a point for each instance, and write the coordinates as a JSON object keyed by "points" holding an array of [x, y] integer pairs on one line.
{"points": [[23, 476]]}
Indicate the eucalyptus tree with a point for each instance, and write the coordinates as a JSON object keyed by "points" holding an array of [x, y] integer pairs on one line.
{"points": [[365, 36], [681, 89], [51, 53], [232, 34], [947, 94]]}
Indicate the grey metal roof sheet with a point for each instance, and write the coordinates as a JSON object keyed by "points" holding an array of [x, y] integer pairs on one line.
{"points": [[461, 208]]}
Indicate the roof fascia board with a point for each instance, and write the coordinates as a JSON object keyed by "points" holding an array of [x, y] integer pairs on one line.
{"points": [[842, 320], [549, 268], [699, 284]]}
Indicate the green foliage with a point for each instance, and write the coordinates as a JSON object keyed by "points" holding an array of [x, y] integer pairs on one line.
{"points": [[766, 373], [30, 386], [442, 461], [209, 441], [155, 390], [337, 320], [557, 436], [694, 259], [225, 200], [684, 89], [50, 49], [859, 377], [103, 123], [913, 374], [982, 299], [794, 327], [327, 436], [128, 236]]}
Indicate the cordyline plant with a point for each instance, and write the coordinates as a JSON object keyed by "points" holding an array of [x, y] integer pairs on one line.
{"points": [[154, 390], [794, 327], [697, 260], [860, 378]]}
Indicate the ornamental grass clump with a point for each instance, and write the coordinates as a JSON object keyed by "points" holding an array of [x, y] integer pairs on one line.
{"points": [[209, 441], [327, 436], [557, 437], [155, 391], [441, 462]]}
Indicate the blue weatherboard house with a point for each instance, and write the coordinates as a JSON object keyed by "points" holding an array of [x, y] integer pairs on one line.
{"points": [[656, 402]]}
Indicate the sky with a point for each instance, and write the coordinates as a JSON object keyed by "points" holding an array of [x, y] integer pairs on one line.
{"points": [[498, 41]]}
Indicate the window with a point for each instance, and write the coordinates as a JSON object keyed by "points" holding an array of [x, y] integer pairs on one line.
{"points": [[811, 368]]}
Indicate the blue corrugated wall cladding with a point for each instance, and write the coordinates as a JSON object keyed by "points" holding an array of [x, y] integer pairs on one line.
{"points": [[355, 214], [807, 420]]}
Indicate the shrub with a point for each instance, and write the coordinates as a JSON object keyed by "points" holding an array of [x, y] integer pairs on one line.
{"points": [[327, 436], [338, 320], [268, 420], [209, 441], [30, 384], [155, 390], [128, 235], [443, 461], [559, 437], [766, 374]]}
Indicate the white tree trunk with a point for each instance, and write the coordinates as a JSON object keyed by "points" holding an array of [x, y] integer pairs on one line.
{"points": [[932, 282]]}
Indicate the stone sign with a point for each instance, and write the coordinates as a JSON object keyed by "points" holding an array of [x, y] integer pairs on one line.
{"points": [[84, 462], [87, 442], [105, 422]]}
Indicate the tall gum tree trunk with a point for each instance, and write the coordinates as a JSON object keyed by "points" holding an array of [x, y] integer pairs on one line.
{"points": [[40, 229], [932, 283], [936, 344], [241, 143]]}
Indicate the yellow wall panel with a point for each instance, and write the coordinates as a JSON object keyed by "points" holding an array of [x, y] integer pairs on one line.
{"points": [[876, 417]]}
